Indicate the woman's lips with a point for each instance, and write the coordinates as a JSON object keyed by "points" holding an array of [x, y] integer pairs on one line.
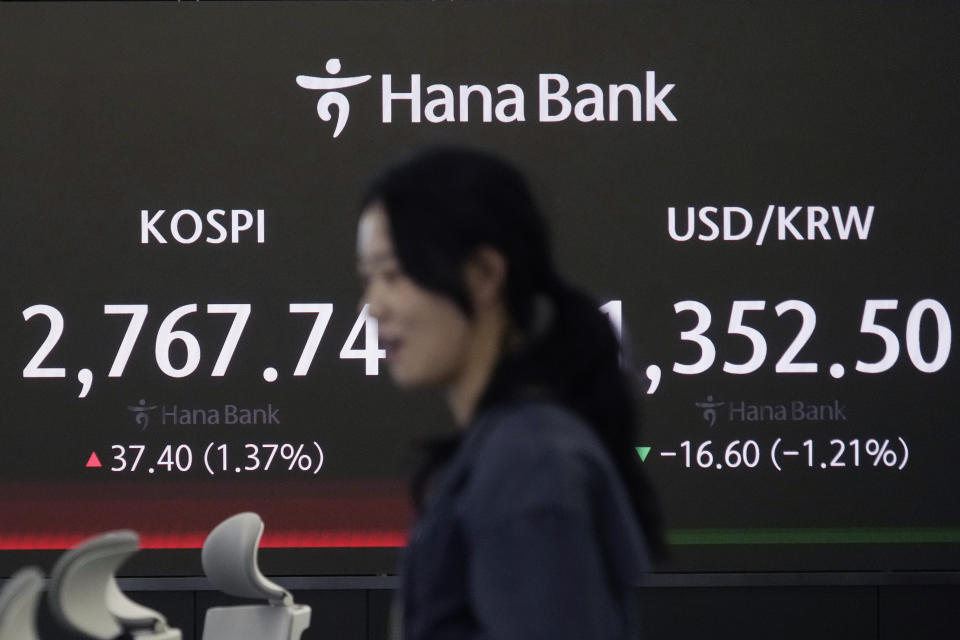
{"points": [[391, 346]]}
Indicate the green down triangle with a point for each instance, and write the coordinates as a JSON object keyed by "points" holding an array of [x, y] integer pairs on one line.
{"points": [[643, 452]]}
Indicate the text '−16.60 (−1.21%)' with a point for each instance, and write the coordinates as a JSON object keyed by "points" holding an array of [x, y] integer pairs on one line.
{"points": [[892, 453]]}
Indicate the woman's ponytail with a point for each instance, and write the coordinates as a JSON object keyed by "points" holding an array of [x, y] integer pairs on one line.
{"points": [[444, 204]]}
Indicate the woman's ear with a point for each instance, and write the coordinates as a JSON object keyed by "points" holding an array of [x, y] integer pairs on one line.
{"points": [[485, 275]]}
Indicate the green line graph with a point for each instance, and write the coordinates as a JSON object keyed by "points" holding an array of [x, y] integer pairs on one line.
{"points": [[835, 535]]}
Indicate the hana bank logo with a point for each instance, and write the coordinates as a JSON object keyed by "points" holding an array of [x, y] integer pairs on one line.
{"points": [[141, 412], [332, 97], [709, 407], [640, 98]]}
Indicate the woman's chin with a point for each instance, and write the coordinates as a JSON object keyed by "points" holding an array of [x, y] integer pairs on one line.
{"points": [[403, 378], [407, 378]]}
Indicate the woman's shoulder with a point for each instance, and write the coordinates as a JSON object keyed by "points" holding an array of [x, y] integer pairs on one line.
{"points": [[537, 429], [536, 455], [539, 462]]}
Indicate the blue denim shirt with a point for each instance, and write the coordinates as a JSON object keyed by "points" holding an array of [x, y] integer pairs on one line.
{"points": [[526, 533]]}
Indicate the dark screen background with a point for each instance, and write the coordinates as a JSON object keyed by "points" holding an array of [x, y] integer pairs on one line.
{"points": [[110, 110]]}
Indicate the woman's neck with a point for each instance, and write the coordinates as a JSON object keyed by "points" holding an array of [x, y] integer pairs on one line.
{"points": [[484, 352]]}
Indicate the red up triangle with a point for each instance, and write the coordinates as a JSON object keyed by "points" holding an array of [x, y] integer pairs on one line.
{"points": [[93, 460]]}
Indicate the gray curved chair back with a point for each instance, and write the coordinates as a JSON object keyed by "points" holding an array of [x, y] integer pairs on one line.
{"points": [[85, 598], [18, 605], [230, 562]]}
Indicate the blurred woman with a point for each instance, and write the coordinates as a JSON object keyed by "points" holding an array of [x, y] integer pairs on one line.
{"points": [[535, 521]]}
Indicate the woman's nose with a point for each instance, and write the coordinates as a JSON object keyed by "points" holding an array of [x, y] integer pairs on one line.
{"points": [[373, 299]]}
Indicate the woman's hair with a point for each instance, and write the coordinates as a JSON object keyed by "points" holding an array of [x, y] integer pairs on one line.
{"points": [[445, 203]]}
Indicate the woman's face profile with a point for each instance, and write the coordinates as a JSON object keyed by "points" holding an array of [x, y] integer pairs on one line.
{"points": [[426, 336]]}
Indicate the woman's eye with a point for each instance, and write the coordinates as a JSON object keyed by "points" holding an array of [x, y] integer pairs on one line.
{"points": [[391, 275], [380, 274]]}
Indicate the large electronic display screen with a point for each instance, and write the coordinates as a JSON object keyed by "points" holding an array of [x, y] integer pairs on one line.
{"points": [[762, 197]]}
